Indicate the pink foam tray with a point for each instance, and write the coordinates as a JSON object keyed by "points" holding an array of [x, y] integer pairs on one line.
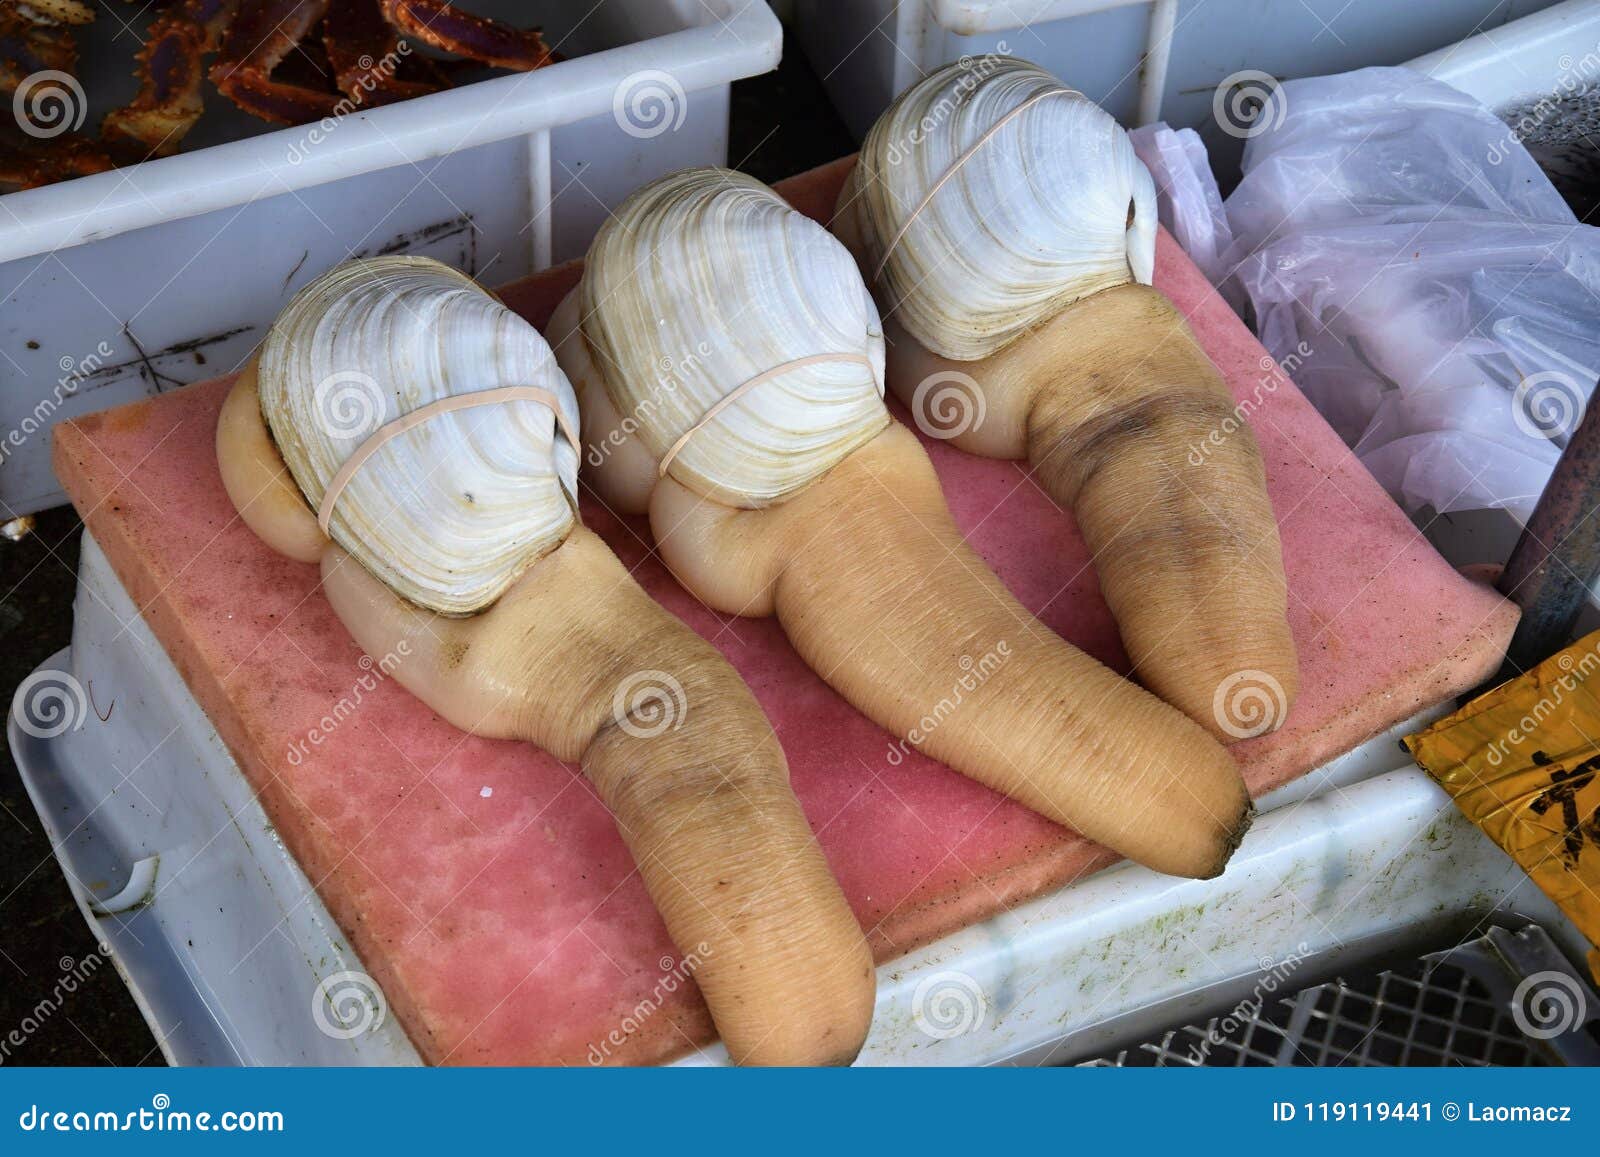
{"points": [[509, 927]]}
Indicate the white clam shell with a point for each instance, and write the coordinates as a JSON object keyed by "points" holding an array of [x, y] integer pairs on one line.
{"points": [[450, 513], [1034, 219], [704, 280]]}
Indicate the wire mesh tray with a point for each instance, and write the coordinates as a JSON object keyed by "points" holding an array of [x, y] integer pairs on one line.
{"points": [[1505, 998]]}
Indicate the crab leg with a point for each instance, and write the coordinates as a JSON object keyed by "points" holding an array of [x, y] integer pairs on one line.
{"points": [[264, 32], [368, 59], [444, 26], [155, 122], [33, 40], [26, 163], [33, 44]]}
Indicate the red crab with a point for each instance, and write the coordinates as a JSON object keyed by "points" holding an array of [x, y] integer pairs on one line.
{"points": [[270, 63], [37, 54]]}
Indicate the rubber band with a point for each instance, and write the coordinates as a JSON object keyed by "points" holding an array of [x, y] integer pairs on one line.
{"points": [[744, 388], [961, 160], [382, 435]]}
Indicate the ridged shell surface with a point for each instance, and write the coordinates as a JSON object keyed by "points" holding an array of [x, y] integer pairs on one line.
{"points": [[704, 280], [449, 513], [1051, 208]]}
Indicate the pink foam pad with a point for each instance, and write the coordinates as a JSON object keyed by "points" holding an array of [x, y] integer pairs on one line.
{"points": [[510, 927]]}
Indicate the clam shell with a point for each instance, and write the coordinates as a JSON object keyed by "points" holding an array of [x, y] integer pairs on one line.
{"points": [[1036, 217], [450, 513], [704, 280]]}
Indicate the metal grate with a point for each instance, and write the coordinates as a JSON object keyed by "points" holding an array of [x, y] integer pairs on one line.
{"points": [[1457, 1007]]}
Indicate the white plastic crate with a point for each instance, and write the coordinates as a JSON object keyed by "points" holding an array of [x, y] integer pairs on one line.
{"points": [[1142, 60], [1362, 855], [232, 957], [1555, 52], [128, 283], [211, 923]]}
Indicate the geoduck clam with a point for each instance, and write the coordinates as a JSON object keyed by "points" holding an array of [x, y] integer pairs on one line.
{"points": [[470, 512], [1008, 231], [777, 483]]}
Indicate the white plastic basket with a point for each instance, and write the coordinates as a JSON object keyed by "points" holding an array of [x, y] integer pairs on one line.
{"points": [[1362, 854], [230, 954], [127, 283], [1552, 53], [1143, 60]]}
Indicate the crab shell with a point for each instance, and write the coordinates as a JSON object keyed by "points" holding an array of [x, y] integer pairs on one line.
{"points": [[1053, 207], [450, 513]]}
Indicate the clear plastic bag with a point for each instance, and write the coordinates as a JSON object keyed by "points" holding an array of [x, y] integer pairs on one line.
{"points": [[1438, 300], [1188, 202]]}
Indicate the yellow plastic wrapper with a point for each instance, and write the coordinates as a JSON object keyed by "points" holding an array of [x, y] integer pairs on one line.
{"points": [[1521, 762]]}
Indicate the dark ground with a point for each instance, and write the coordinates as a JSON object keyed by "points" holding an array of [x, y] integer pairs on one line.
{"points": [[782, 124]]}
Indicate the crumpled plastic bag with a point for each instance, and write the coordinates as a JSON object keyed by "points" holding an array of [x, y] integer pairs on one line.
{"points": [[1188, 202], [1425, 285]]}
